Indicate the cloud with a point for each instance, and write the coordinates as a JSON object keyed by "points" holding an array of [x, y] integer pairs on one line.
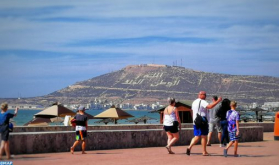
{"points": [[90, 38]]}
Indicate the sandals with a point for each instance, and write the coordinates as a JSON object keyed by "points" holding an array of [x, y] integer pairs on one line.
{"points": [[206, 154], [188, 151], [169, 150], [72, 150]]}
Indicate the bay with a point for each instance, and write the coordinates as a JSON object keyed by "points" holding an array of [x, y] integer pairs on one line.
{"points": [[24, 116]]}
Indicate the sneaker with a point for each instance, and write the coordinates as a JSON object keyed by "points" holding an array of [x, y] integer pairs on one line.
{"points": [[208, 145], [225, 153]]}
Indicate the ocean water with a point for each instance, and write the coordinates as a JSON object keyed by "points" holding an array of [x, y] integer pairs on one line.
{"points": [[25, 116]]}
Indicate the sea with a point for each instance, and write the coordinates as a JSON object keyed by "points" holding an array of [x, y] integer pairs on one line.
{"points": [[24, 116]]}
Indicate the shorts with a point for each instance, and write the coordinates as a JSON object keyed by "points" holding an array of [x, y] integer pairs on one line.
{"points": [[5, 135], [233, 136], [217, 124], [200, 131], [171, 129], [81, 135]]}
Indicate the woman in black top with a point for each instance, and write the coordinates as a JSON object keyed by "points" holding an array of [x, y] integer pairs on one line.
{"points": [[225, 106]]}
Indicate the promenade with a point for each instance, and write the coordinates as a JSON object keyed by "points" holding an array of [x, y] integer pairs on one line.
{"points": [[256, 153]]}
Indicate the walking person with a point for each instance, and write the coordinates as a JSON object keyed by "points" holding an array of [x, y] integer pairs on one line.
{"points": [[171, 123], [4, 129], [214, 122], [81, 129], [233, 128], [201, 106], [221, 113]]}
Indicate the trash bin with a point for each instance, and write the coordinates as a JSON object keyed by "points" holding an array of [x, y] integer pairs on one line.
{"points": [[276, 127]]}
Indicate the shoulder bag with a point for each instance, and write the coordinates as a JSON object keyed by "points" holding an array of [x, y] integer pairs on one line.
{"points": [[200, 122]]}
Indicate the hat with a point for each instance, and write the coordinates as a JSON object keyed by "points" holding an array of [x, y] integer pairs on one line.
{"points": [[81, 108]]}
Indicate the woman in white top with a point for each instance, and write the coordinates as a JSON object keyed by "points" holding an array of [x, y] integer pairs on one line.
{"points": [[171, 122]]}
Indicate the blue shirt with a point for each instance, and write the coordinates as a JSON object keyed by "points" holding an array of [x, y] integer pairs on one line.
{"points": [[5, 118]]}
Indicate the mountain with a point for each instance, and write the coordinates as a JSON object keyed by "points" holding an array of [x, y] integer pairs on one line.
{"points": [[150, 82]]}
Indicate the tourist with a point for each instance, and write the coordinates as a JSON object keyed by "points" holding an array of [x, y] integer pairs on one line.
{"points": [[214, 122], [201, 106], [221, 113], [4, 129], [233, 128], [81, 129], [171, 122]]}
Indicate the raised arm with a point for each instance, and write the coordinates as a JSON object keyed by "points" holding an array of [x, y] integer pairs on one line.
{"points": [[212, 105], [16, 111]]}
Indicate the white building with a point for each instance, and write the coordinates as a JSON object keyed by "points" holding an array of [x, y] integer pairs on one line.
{"points": [[268, 105]]}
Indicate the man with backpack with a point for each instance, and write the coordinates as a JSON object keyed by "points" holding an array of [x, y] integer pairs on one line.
{"points": [[200, 108]]}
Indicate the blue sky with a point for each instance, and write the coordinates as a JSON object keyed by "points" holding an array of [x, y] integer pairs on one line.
{"points": [[48, 45]]}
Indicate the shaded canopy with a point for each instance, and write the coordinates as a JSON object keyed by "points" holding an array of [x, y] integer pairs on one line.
{"points": [[56, 120], [257, 110], [141, 119], [55, 111], [43, 121], [113, 113], [106, 121], [38, 120]]}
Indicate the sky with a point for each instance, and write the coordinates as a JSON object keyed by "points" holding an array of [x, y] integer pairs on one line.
{"points": [[48, 45]]}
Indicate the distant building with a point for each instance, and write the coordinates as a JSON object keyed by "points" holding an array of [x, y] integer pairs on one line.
{"points": [[269, 105], [25, 106], [254, 105]]}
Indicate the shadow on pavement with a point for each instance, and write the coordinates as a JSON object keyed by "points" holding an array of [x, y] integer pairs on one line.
{"points": [[249, 146], [98, 153]]}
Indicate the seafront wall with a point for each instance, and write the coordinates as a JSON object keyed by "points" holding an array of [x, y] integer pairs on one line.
{"points": [[94, 127], [60, 141], [267, 127]]}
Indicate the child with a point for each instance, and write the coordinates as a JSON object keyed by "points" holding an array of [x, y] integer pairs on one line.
{"points": [[233, 128], [4, 129], [81, 129]]}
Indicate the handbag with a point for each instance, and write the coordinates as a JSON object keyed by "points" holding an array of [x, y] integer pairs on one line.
{"points": [[200, 121], [74, 122]]}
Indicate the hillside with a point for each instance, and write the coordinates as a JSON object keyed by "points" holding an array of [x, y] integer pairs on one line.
{"points": [[149, 83]]}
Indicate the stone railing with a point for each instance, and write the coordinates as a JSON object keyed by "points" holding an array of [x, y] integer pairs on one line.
{"points": [[60, 141], [268, 127]]}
